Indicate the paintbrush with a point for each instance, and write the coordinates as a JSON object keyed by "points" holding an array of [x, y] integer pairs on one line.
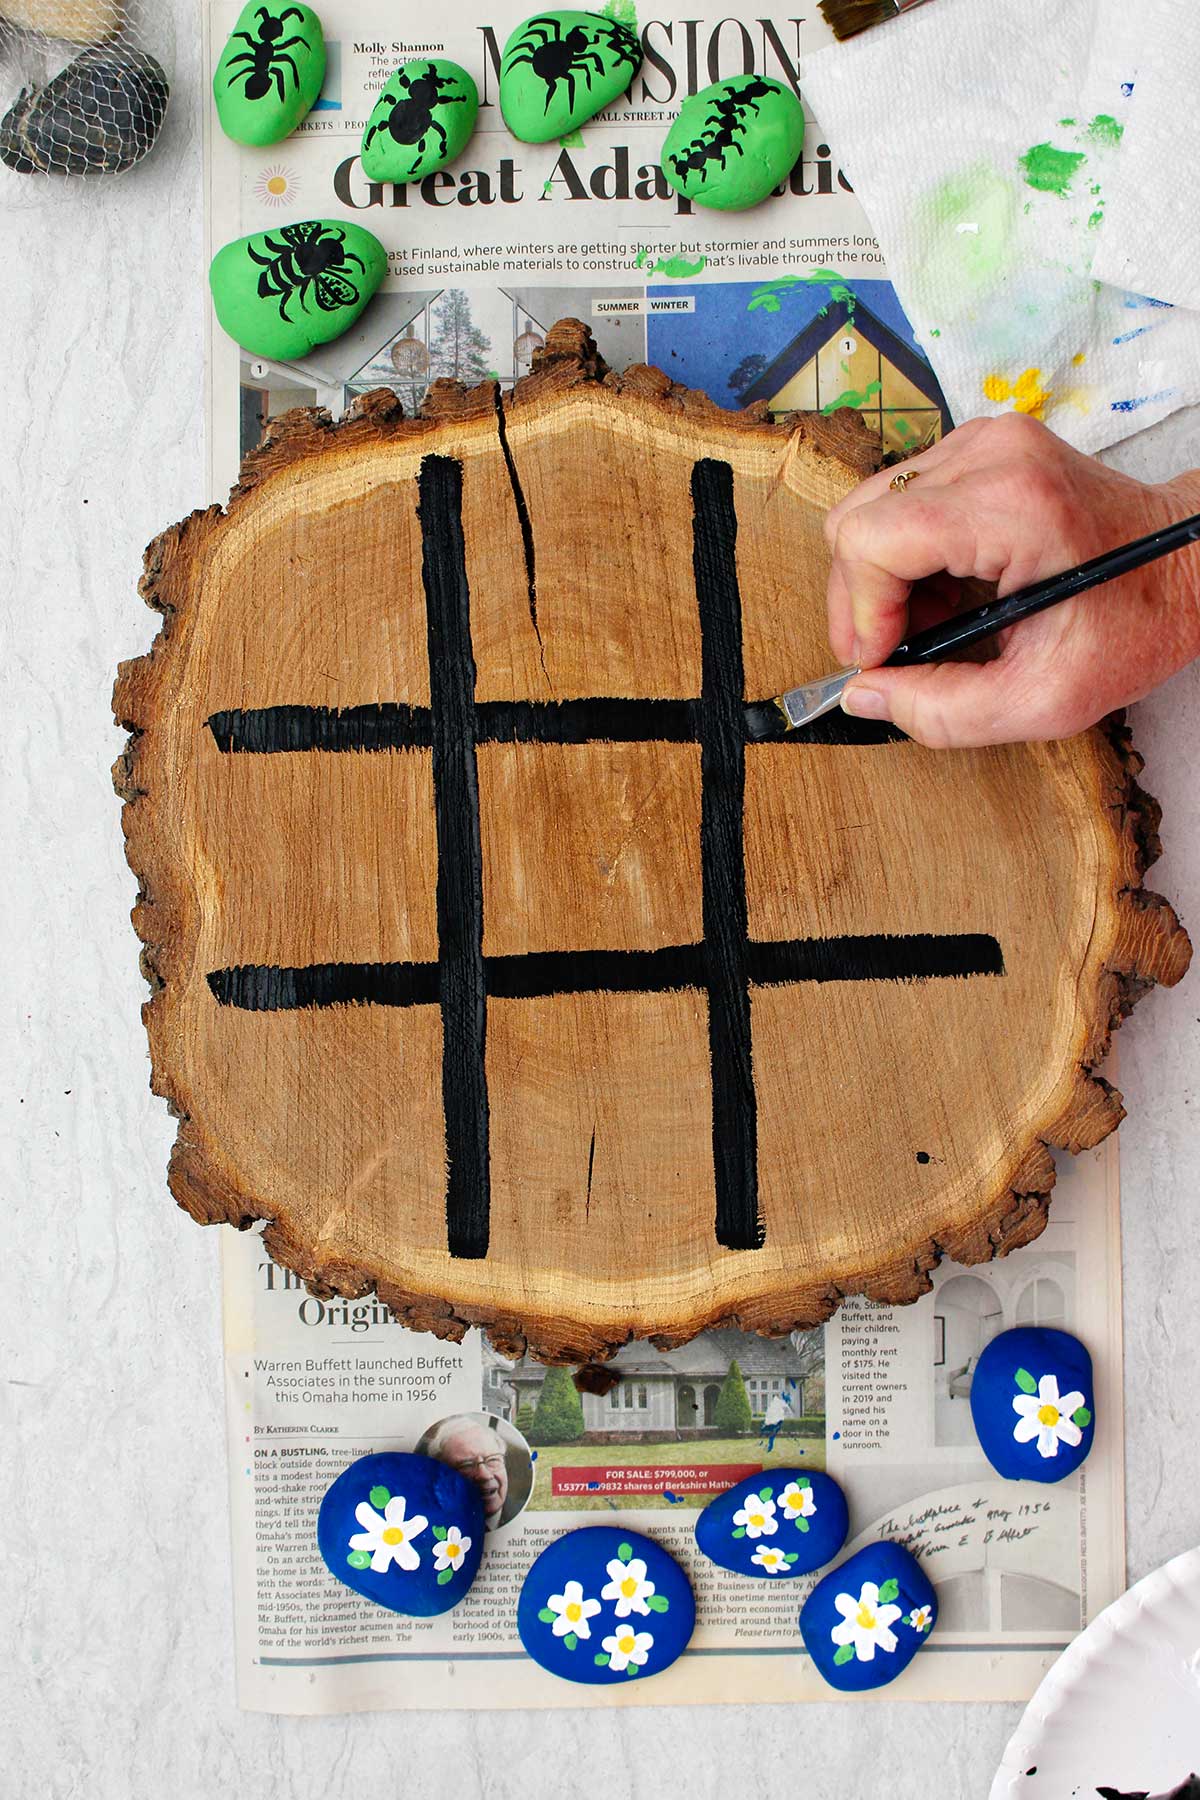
{"points": [[788, 712], [846, 18]]}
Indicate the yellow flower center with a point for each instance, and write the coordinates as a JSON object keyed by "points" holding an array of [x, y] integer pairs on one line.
{"points": [[770, 1556], [625, 1642], [574, 1611], [393, 1535], [757, 1518], [794, 1502], [1048, 1415], [277, 185], [866, 1618], [629, 1587], [453, 1550]]}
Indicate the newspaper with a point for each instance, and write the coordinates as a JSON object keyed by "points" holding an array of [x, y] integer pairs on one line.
{"points": [[790, 305]]}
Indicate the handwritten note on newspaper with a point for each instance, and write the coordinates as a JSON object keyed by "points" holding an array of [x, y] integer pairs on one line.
{"points": [[790, 305]]}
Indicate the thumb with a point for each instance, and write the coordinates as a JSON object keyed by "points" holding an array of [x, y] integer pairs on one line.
{"points": [[956, 705]]}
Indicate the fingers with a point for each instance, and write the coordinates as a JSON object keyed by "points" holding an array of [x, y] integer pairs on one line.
{"points": [[955, 705], [880, 549]]}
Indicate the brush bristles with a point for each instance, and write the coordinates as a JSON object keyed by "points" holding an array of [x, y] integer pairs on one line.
{"points": [[846, 18]]}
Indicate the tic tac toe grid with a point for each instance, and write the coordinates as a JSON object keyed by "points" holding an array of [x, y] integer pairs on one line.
{"points": [[725, 964]]}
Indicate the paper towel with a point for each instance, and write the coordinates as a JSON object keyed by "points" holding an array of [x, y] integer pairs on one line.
{"points": [[1148, 239], [983, 137]]}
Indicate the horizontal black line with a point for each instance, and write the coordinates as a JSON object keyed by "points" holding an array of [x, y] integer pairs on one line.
{"points": [[391, 725], [920, 956]]}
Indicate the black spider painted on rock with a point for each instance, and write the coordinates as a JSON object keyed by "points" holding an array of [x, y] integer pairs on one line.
{"points": [[266, 55], [411, 118], [556, 58], [725, 121], [312, 257]]}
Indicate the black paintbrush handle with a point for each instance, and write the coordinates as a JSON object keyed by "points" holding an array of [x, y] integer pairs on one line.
{"points": [[969, 627]]}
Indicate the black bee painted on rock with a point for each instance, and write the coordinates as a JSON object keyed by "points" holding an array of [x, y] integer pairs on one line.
{"points": [[554, 58], [312, 259], [725, 122], [411, 118], [267, 55]]}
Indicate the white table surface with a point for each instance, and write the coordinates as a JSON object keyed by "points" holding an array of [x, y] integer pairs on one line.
{"points": [[115, 1610]]}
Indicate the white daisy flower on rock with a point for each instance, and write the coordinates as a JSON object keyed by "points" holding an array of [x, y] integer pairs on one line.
{"points": [[866, 1622], [797, 1502], [757, 1517], [627, 1647], [388, 1536], [1046, 1416], [921, 1618], [572, 1611], [448, 1552], [770, 1560], [628, 1586]]}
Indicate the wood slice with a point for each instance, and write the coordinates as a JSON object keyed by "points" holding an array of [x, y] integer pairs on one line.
{"points": [[498, 971]]}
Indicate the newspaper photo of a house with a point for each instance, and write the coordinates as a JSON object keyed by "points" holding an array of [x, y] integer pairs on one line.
{"points": [[674, 1425]]}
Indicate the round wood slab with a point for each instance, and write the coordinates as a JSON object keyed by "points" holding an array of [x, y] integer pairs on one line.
{"points": [[499, 972]]}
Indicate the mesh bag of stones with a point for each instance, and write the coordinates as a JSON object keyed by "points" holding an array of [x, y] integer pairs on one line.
{"points": [[81, 89]]}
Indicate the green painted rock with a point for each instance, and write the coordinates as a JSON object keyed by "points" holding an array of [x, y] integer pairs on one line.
{"points": [[270, 72], [733, 142], [560, 68], [421, 121], [280, 293]]}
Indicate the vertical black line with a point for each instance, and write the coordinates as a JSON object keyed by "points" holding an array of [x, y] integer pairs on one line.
{"points": [[460, 856], [722, 858]]}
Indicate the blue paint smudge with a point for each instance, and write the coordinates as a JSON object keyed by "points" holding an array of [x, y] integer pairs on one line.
{"points": [[1127, 88], [672, 1499], [1128, 336], [1133, 301], [593, 1486], [836, 1436], [1128, 406], [533, 1456]]}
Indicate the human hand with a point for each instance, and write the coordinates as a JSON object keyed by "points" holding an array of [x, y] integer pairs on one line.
{"points": [[1006, 501]]}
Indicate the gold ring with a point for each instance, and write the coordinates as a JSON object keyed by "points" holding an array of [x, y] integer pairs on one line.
{"points": [[901, 480]]}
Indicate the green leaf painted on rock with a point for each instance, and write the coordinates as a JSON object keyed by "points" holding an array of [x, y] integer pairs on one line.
{"points": [[358, 1559], [444, 1576], [546, 1616], [740, 1532], [1025, 1381], [889, 1591], [765, 1493], [439, 1531], [625, 1553], [571, 1641], [630, 1669], [1081, 1416], [802, 1523], [791, 1557], [380, 1496], [844, 1655], [658, 1603], [601, 1659]]}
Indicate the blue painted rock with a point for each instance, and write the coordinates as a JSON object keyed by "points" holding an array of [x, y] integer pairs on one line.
{"points": [[734, 142], [778, 1523], [404, 1531], [420, 122], [280, 293], [270, 72], [863, 1623], [1033, 1401], [602, 1605], [561, 68]]}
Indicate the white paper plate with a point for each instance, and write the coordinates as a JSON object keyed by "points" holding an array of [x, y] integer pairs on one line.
{"points": [[1121, 1706]]}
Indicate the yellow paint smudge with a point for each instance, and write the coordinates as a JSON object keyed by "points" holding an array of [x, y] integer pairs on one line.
{"points": [[1079, 357], [1026, 392]]}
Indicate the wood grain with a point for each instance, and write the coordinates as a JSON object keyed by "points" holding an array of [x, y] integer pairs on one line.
{"points": [[891, 1118]]}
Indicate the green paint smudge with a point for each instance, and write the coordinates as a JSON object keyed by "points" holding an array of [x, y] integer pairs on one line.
{"points": [[854, 397], [1066, 121], [573, 140], [1104, 129], [965, 228], [1051, 170], [676, 268], [623, 11], [768, 294], [1096, 218]]}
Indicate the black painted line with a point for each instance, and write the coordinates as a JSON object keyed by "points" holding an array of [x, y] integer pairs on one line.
{"points": [[390, 725], [722, 859], [922, 956], [461, 986]]}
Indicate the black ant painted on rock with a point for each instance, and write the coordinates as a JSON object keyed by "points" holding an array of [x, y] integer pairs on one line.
{"points": [[267, 54]]}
